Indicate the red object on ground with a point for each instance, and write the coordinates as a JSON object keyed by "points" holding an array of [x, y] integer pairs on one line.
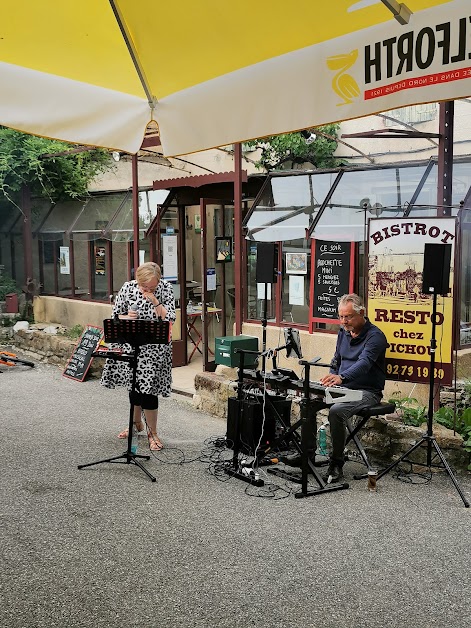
{"points": [[11, 303]]}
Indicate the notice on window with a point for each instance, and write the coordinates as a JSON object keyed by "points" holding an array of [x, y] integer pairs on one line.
{"points": [[64, 260], [261, 291], [169, 257], [296, 290], [211, 279], [332, 277], [100, 260]]}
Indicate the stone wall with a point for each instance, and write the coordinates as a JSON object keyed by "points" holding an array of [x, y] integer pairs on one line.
{"points": [[50, 348], [387, 438], [70, 312]]}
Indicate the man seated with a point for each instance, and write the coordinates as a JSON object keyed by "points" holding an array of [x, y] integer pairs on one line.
{"points": [[359, 364]]}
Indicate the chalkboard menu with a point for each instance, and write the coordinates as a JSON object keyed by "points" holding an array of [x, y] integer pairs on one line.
{"points": [[81, 358], [332, 277]]}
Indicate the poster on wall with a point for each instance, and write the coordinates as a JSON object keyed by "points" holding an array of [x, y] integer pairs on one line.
{"points": [[223, 250], [211, 283], [169, 257], [100, 260], [395, 300], [296, 290], [331, 277], [261, 289], [64, 260], [296, 263]]}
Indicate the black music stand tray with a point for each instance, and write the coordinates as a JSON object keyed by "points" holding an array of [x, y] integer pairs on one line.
{"points": [[135, 332]]}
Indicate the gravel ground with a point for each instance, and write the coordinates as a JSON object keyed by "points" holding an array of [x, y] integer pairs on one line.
{"points": [[104, 546]]}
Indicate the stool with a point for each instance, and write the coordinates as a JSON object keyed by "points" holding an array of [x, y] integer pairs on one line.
{"points": [[377, 410]]}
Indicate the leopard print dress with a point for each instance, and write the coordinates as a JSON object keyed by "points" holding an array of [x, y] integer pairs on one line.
{"points": [[154, 365]]}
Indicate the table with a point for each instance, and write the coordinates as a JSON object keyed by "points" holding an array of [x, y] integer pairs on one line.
{"points": [[192, 314]]}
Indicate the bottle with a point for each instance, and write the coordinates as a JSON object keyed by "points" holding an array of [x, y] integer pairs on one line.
{"points": [[322, 441], [134, 440]]}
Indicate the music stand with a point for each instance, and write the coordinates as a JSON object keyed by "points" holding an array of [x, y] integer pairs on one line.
{"points": [[135, 332]]}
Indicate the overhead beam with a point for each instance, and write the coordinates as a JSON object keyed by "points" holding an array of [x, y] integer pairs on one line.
{"points": [[391, 133], [400, 11]]}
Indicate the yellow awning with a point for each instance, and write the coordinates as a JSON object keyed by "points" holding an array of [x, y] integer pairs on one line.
{"points": [[213, 73]]}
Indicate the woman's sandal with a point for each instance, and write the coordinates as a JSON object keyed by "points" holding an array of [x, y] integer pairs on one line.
{"points": [[155, 444], [125, 432]]}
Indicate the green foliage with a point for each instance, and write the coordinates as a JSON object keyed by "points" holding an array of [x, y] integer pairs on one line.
{"points": [[446, 416], [467, 387], [278, 151], [407, 408], [7, 286], [23, 163], [27, 312], [10, 321], [74, 332]]}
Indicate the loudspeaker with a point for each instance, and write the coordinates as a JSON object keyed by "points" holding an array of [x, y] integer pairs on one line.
{"points": [[267, 262], [251, 421], [436, 273]]}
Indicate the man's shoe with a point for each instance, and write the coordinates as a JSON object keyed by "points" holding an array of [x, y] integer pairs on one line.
{"points": [[334, 474], [296, 460]]}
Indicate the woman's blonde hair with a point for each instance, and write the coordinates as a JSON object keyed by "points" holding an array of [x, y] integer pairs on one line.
{"points": [[148, 271]]}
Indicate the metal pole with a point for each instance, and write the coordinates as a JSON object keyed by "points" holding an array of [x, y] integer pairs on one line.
{"points": [[135, 212], [238, 236]]}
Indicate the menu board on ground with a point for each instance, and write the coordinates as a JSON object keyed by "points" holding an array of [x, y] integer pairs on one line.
{"points": [[81, 358], [331, 277]]}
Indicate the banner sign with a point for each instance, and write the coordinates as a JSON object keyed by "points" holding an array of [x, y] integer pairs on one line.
{"points": [[395, 300], [382, 67]]}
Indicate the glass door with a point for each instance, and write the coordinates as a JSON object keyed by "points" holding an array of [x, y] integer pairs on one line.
{"points": [[213, 292], [172, 256]]}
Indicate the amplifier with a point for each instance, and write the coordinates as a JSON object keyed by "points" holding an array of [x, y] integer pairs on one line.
{"points": [[251, 420]]}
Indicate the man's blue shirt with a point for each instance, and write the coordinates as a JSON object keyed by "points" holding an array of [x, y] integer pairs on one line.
{"points": [[361, 360]]}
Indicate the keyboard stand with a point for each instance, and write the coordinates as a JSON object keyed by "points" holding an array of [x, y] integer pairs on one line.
{"points": [[309, 409]]}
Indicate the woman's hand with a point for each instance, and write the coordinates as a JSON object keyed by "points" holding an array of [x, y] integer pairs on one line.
{"points": [[150, 296]]}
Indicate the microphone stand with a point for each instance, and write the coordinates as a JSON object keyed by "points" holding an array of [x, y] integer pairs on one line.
{"points": [[264, 328]]}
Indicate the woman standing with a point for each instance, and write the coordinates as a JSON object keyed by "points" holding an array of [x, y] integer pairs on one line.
{"points": [[148, 297]]}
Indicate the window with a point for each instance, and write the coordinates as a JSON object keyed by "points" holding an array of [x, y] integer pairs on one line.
{"points": [[412, 115]]}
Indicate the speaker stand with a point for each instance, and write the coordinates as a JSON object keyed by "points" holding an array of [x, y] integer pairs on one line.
{"points": [[429, 438], [235, 470]]}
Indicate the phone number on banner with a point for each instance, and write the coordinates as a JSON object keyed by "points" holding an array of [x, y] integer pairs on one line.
{"points": [[417, 371]]}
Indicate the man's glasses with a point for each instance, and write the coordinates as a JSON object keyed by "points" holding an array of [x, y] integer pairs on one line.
{"points": [[347, 318]]}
